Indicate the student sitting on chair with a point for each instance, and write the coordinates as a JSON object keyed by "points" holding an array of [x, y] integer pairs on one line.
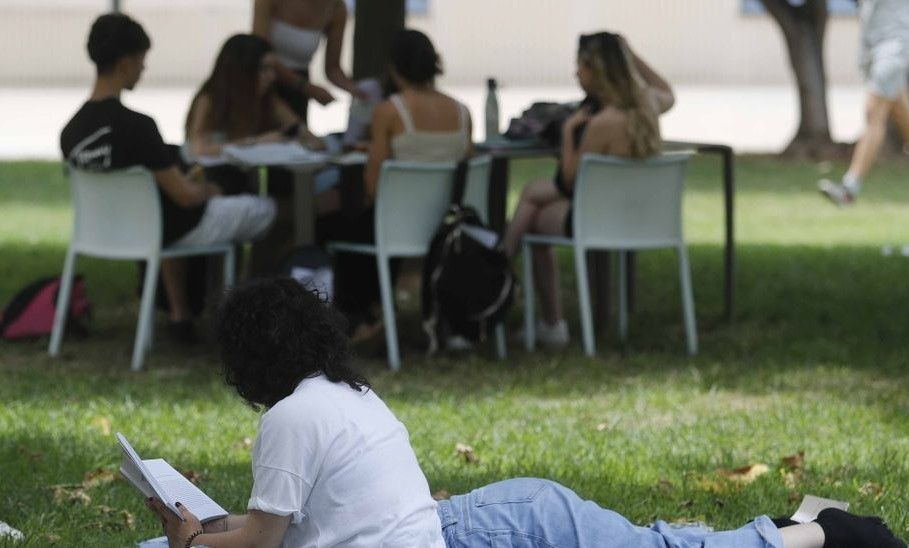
{"points": [[418, 124], [104, 135], [619, 117], [333, 466], [238, 105]]}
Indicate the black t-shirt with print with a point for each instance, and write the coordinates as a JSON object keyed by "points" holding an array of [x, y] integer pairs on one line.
{"points": [[105, 135]]}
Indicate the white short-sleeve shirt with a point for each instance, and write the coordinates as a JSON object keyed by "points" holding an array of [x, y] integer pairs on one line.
{"points": [[340, 464]]}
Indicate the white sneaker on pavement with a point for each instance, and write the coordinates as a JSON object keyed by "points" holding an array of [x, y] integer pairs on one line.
{"points": [[836, 192]]}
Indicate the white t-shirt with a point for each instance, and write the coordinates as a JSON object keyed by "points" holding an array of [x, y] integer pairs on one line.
{"points": [[340, 464]]}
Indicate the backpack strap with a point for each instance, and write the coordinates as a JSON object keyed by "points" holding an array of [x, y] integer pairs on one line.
{"points": [[460, 183]]}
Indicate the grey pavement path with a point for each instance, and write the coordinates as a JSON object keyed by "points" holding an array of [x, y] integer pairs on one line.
{"points": [[751, 119]]}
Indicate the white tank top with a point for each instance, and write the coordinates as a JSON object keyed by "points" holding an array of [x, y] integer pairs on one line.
{"points": [[429, 146], [294, 46]]}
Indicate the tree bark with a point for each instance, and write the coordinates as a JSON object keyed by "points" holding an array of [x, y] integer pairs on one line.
{"points": [[803, 29], [377, 21]]}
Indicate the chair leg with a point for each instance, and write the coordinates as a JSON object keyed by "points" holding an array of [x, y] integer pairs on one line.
{"points": [[529, 323], [230, 265], [623, 295], [580, 267], [501, 346], [691, 332], [63, 295], [145, 312], [388, 313]]}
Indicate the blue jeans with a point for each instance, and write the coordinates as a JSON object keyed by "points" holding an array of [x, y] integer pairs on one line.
{"points": [[537, 513]]}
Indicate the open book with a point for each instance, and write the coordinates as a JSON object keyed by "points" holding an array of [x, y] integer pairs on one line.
{"points": [[157, 478]]}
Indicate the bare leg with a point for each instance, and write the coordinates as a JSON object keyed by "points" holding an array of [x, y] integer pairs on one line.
{"points": [[803, 535], [550, 220], [536, 196], [900, 115], [173, 273], [877, 111]]}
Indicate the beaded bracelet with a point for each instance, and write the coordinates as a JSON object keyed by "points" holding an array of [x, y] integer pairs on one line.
{"points": [[190, 538]]}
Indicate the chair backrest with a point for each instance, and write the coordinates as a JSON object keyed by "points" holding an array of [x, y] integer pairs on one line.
{"points": [[411, 201], [117, 214], [622, 203], [476, 190]]}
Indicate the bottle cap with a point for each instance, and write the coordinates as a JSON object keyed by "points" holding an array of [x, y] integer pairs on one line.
{"points": [[491, 83]]}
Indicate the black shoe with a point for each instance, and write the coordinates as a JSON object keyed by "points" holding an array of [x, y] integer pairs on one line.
{"points": [[845, 530], [183, 332]]}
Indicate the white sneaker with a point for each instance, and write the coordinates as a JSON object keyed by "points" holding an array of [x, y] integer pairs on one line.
{"points": [[458, 343], [836, 192], [553, 336]]}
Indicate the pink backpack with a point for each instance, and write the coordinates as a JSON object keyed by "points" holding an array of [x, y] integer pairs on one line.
{"points": [[31, 311]]}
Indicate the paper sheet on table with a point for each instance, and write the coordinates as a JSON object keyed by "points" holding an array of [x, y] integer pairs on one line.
{"points": [[811, 507], [270, 154]]}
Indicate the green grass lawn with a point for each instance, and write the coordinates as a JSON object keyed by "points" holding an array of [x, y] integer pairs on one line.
{"points": [[815, 361]]}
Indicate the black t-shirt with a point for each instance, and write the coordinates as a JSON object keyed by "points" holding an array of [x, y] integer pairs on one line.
{"points": [[105, 135]]}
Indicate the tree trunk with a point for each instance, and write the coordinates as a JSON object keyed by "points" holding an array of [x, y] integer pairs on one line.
{"points": [[376, 24], [803, 28]]}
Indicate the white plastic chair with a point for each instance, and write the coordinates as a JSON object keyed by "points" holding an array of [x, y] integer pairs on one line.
{"points": [[620, 205], [117, 215], [411, 201], [476, 189]]}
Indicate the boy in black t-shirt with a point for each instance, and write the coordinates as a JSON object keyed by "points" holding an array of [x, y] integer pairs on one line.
{"points": [[105, 135]]}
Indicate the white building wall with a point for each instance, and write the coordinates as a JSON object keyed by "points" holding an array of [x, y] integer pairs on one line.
{"points": [[522, 42]]}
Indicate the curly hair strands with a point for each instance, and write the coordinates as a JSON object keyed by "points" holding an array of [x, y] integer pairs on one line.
{"points": [[620, 84], [275, 333]]}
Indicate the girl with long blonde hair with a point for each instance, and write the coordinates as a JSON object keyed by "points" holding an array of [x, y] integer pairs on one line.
{"points": [[619, 117]]}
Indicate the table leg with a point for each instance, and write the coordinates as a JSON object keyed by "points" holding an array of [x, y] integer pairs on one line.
{"points": [[729, 255], [599, 274], [498, 193], [304, 208]]}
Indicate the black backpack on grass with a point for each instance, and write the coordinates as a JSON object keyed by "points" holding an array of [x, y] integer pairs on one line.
{"points": [[467, 284]]}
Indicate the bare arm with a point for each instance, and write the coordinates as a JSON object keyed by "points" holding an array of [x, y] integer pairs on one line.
{"points": [[182, 191], [201, 141], [334, 39], [287, 118], [258, 529], [659, 87], [379, 145], [602, 129]]}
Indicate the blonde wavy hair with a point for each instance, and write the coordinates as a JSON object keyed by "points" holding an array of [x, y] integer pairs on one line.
{"points": [[618, 83]]}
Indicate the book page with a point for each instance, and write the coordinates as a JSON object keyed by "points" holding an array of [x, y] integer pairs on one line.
{"points": [[811, 507], [134, 469], [179, 489]]}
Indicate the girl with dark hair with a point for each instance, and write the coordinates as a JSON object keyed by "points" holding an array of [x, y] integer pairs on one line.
{"points": [[237, 104], [332, 466], [619, 117], [419, 123]]}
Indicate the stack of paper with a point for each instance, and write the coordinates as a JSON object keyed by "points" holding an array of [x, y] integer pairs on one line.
{"points": [[273, 154]]}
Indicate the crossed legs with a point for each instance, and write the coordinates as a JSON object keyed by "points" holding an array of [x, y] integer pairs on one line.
{"points": [[541, 210]]}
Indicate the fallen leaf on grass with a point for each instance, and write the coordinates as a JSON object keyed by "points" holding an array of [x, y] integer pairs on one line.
{"points": [[665, 486], [602, 426], [870, 489], [98, 477], [745, 474], [50, 539], [441, 495], [794, 496], [128, 519], [75, 495], [31, 455], [467, 453], [193, 476], [246, 443], [102, 424], [794, 462]]}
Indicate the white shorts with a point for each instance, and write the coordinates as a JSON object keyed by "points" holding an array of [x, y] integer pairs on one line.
{"points": [[885, 67], [231, 219]]}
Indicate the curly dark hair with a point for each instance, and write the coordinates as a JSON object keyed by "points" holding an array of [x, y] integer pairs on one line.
{"points": [[414, 57], [273, 334]]}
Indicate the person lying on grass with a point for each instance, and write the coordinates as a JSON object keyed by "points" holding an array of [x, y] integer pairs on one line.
{"points": [[333, 466]]}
